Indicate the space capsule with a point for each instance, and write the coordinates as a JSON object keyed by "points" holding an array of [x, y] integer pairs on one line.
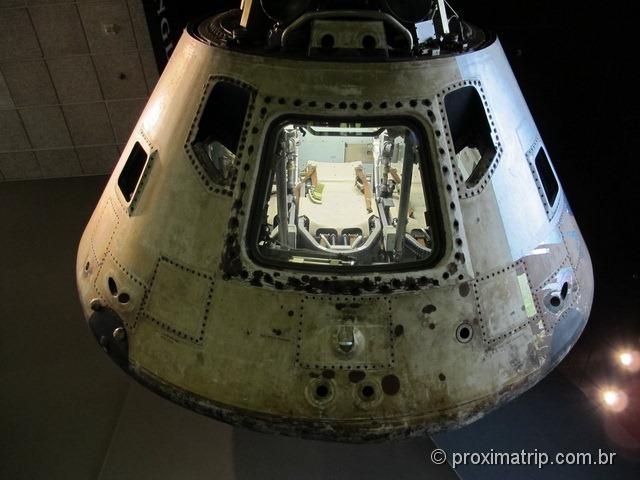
{"points": [[336, 220]]}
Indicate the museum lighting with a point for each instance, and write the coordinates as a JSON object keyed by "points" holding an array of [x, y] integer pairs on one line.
{"points": [[613, 399], [628, 360]]}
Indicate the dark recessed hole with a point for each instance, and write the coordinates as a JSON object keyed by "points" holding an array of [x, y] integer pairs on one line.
{"points": [[369, 42], [398, 331], [555, 301], [132, 171], [367, 391], [547, 177], [327, 41], [113, 288], [86, 267], [464, 333], [471, 133], [124, 298], [565, 290], [322, 391], [222, 131]]}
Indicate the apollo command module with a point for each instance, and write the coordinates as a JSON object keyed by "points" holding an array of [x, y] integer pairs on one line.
{"points": [[336, 220]]}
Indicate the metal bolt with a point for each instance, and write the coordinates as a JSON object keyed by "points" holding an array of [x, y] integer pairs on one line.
{"points": [[119, 334], [95, 304]]}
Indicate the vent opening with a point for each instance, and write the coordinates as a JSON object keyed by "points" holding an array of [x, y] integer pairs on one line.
{"points": [[113, 288], [547, 177], [130, 176]]}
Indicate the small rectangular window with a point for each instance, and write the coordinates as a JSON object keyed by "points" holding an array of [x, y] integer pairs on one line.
{"points": [[547, 177], [344, 195], [219, 130], [471, 134], [132, 171]]}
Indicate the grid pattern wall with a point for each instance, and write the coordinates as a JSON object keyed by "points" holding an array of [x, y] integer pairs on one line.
{"points": [[74, 77]]}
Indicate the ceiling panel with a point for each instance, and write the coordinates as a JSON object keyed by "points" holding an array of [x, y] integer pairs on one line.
{"points": [[74, 77], [46, 127], [140, 28], [121, 76], [108, 26], [126, 112], [59, 29], [150, 68], [12, 3], [97, 160], [17, 38], [19, 165], [5, 96], [89, 123], [59, 163], [13, 135], [29, 83]]}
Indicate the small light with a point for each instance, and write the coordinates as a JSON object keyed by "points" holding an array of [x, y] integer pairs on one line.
{"points": [[614, 400], [626, 359], [610, 397]]}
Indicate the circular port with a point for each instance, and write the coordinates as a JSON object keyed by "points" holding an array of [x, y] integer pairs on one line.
{"points": [[327, 41], [369, 42], [124, 298], [464, 333], [555, 301], [368, 391], [322, 391], [368, 394]]}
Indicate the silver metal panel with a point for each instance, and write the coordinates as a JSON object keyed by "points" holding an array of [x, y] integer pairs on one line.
{"points": [[523, 216]]}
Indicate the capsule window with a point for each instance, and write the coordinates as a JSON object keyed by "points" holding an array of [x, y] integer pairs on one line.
{"points": [[471, 134], [219, 130], [547, 177], [132, 171], [345, 195]]}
